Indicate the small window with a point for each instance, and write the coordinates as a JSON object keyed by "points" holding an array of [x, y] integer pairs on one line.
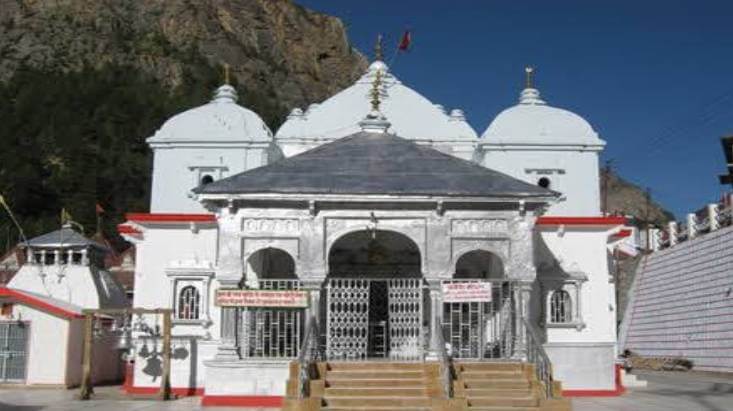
{"points": [[76, 258], [50, 258], [560, 307], [189, 303], [207, 179], [544, 182]]}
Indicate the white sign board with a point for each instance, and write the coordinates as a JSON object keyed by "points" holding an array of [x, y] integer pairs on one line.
{"points": [[262, 298], [467, 292]]}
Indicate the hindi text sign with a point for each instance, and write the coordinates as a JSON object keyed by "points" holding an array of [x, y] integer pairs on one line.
{"points": [[467, 292], [262, 298]]}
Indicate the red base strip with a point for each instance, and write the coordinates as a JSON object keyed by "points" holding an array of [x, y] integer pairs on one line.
{"points": [[242, 401], [179, 391], [620, 390]]}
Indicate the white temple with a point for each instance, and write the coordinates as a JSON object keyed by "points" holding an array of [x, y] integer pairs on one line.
{"points": [[360, 214]]}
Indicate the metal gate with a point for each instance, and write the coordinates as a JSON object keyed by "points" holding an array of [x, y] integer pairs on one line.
{"points": [[477, 330], [13, 344], [359, 327]]}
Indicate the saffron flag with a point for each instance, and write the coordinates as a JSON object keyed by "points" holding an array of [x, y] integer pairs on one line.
{"points": [[405, 42], [99, 209]]}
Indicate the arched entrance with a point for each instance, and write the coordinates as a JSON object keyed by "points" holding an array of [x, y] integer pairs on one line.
{"points": [[374, 297], [480, 327], [271, 332]]}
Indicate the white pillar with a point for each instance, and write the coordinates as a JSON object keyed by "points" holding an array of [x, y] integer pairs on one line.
{"points": [[672, 231], [70, 257], [691, 226], [713, 217], [84, 257], [57, 257], [436, 320]]}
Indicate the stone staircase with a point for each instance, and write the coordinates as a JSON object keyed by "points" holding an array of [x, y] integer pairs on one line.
{"points": [[405, 386], [502, 386], [372, 385]]}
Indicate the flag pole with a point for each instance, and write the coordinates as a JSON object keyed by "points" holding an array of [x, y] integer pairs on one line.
{"points": [[12, 217]]}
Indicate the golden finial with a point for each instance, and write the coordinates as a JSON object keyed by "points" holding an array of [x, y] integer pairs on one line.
{"points": [[529, 72], [375, 94], [226, 73], [378, 49]]}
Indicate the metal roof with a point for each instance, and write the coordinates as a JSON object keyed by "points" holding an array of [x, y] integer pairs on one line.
{"points": [[65, 237], [375, 163]]}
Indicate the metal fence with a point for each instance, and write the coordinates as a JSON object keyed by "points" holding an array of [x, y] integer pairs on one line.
{"points": [[13, 350], [478, 330], [272, 332]]}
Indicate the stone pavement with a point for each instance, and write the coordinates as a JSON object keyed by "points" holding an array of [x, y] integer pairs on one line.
{"points": [[666, 392]]}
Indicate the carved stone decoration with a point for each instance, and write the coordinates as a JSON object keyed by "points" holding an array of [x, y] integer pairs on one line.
{"points": [[520, 265], [288, 226], [478, 226]]}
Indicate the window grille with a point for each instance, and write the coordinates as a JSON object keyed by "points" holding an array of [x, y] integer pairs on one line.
{"points": [[560, 307], [189, 303]]}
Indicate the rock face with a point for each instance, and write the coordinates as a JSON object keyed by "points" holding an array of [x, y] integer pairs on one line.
{"points": [[629, 199], [279, 51]]}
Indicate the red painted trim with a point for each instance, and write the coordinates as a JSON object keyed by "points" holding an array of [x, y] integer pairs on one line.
{"points": [[35, 302], [170, 218], [178, 391], [127, 229], [242, 401], [626, 232], [619, 390], [611, 220]]}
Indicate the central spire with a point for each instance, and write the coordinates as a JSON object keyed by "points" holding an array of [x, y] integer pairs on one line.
{"points": [[530, 95], [378, 56]]}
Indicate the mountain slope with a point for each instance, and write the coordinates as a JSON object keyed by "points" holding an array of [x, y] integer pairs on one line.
{"points": [[84, 82]]}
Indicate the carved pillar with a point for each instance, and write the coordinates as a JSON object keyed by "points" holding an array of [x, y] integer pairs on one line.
{"points": [[229, 345], [436, 320], [522, 295]]}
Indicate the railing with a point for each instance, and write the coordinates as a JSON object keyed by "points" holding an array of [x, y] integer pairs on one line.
{"points": [[309, 353], [711, 218], [445, 364], [536, 355]]}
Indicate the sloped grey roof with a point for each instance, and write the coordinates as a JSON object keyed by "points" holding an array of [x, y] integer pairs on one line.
{"points": [[66, 237], [375, 163]]}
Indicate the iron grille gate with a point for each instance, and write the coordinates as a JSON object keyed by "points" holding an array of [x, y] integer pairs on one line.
{"points": [[482, 330], [370, 318], [272, 332], [13, 343]]}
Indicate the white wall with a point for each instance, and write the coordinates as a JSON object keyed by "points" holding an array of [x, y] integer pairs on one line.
{"points": [[178, 169], [579, 183]]}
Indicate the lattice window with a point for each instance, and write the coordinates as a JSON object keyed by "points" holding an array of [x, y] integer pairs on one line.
{"points": [[560, 307], [189, 303]]}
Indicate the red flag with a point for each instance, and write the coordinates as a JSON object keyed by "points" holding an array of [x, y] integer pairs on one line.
{"points": [[99, 209], [405, 42]]}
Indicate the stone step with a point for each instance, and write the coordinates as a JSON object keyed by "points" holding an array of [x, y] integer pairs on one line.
{"points": [[496, 383], [494, 401], [395, 402], [489, 366], [491, 375], [375, 365], [373, 374], [498, 392], [375, 392], [375, 382], [376, 409]]}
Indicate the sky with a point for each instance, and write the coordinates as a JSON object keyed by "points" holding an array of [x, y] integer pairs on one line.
{"points": [[652, 77]]}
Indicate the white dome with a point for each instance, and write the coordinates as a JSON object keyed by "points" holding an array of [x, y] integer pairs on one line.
{"points": [[220, 120], [532, 121], [412, 115]]}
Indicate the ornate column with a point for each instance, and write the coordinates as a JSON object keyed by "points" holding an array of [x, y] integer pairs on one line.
{"points": [[436, 318], [522, 295], [228, 346]]}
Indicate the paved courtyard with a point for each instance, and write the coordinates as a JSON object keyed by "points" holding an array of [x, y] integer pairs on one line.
{"points": [[666, 391]]}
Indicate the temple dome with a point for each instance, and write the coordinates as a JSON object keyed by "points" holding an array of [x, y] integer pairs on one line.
{"points": [[412, 115], [532, 122], [220, 120]]}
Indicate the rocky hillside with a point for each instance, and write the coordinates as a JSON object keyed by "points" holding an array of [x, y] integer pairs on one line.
{"points": [[282, 52], [84, 82], [629, 199]]}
